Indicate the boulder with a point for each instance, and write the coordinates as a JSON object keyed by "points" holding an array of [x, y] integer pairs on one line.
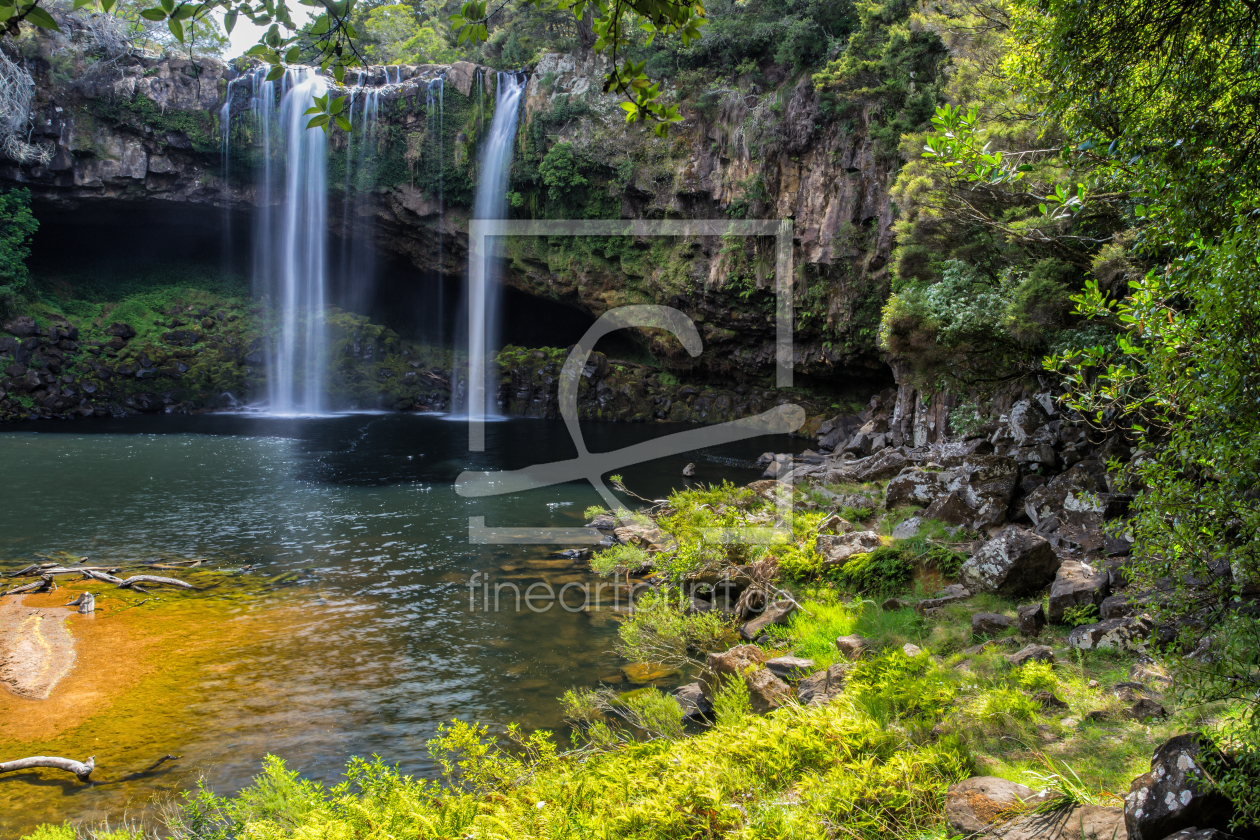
{"points": [[891, 604], [854, 646], [1145, 708], [973, 805], [1016, 562], [695, 704], [736, 660], [908, 529], [977, 493], [1024, 419], [121, 330], [1032, 618], [879, 467], [989, 624], [836, 549], [1131, 692], [1175, 795], [1113, 634], [789, 667], [911, 650], [1030, 653], [22, 327], [1115, 606], [823, 686], [1195, 833], [766, 692], [948, 595], [1072, 822], [1076, 584], [915, 486], [1077, 489], [775, 613]]}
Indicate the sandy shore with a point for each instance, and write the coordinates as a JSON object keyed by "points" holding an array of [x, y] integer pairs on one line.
{"points": [[37, 650]]}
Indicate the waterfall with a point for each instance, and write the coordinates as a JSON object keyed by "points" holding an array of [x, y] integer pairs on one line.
{"points": [[358, 250], [482, 296], [290, 248], [436, 129]]}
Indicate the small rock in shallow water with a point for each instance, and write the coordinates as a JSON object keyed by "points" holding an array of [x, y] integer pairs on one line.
{"points": [[789, 667], [689, 470]]}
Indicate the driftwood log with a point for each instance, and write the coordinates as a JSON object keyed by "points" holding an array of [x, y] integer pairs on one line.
{"points": [[154, 580], [81, 769], [102, 576], [44, 584], [86, 602]]}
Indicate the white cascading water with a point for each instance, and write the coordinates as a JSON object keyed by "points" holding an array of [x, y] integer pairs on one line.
{"points": [[290, 247], [482, 297], [358, 252]]}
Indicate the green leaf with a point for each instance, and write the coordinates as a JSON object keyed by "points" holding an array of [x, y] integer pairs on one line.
{"points": [[42, 19], [319, 122], [168, 6], [153, 14], [229, 21], [337, 105], [293, 55], [177, 29], [343, 123], [276, 72], [1044, 210]]}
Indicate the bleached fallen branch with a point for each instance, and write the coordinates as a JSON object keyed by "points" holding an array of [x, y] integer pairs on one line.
{"points": [[44, 584], [130, 583], [81, 769]]}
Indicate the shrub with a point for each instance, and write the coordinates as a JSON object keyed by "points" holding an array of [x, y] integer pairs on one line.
{"points": [[660, 632], [1080, 614], [1037, 676], [619, 559], [884, 570], [1007, 704], [894, 686]]}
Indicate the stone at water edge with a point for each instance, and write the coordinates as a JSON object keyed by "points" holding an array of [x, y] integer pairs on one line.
{"points": [[776, 613], [1032, 619], [853, 646], [789, 667], [822, 687], [645, 672], [689, 471], [1076, 584], [1016, 562], [766, 692], [989, 624], [694, 703], [1175, 794]]}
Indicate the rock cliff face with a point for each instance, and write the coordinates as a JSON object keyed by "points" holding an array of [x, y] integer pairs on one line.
{"points": [[149, 129]]}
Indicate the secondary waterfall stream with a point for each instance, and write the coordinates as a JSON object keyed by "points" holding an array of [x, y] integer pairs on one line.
{"points": [[484, 289]]}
